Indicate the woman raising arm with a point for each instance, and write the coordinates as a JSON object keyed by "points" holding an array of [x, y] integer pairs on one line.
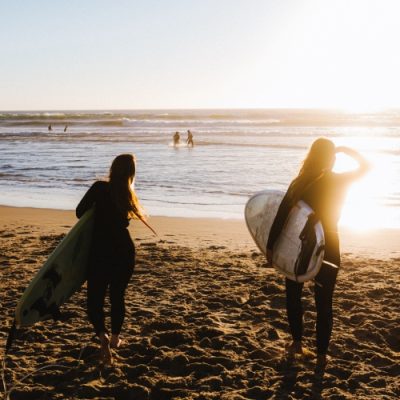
{"points": [[324, 191]]}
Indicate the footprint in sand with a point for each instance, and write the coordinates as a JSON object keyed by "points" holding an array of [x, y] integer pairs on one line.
{"points": [[7, 235]]}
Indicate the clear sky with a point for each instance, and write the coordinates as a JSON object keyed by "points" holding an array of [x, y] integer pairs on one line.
{"points": [[117, 54]]}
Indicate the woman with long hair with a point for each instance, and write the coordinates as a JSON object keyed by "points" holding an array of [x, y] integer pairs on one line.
{"points": [[324, 191], [112, 255]]}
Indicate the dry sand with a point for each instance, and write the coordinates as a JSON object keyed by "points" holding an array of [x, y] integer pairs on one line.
{"points": [[205, 319]]}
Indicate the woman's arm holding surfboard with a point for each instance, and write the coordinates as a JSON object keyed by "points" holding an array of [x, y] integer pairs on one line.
{"points": [[87, 201]]}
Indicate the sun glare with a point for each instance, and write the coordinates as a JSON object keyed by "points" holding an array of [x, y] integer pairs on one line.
{"points": [[363, 209], [361, 108]]}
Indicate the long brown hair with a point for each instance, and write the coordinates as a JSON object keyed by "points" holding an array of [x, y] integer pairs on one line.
{"points": [[122, 174], [319, 159]]}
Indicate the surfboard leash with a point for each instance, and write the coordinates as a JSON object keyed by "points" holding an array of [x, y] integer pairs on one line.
{"points": [[10, 339], [7, 393]]}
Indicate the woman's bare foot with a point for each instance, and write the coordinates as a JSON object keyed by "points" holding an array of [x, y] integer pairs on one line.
{"points": [[115, 341], [294, 348], [105, 351], [320, 365], [291, 351]]}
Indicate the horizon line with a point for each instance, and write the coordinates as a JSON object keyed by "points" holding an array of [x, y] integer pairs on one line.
{"points": [[337, 109]]}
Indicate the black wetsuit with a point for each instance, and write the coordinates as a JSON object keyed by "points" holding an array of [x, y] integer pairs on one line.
{"points": [[325, 196], [112, 257]]}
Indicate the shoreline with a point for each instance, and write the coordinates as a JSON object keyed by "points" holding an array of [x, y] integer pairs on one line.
{"points": [[201, 232]]}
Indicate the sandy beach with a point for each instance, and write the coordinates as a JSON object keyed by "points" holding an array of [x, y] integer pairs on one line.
{"points": [[205, 318]]}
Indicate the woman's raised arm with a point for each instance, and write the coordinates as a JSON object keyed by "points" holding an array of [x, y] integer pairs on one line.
{"points": [[363, 165]]}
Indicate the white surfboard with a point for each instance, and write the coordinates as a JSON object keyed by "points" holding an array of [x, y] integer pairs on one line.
{"points": [[61, 275], [299, 260]]}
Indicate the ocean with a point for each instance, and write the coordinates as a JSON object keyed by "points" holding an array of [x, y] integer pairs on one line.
{"points": [[236, 153]]}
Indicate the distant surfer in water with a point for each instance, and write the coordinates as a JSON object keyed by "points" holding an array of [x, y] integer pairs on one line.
{"points": [[49, 128], [324, 191], [176, 138], [112, 257], [189, 139]]}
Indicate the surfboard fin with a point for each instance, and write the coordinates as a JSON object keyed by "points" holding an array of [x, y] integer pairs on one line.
{"points": [[55, 312]]}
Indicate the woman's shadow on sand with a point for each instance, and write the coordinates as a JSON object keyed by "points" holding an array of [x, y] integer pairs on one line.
{"points": [[294, 372]]}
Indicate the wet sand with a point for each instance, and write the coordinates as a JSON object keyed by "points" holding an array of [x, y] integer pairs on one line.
{"points": [[205, 319]]}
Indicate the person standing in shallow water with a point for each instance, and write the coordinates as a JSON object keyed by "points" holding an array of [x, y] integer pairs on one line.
{"points": [[112, 255], [176, 138], [189, 139], [324, 191]]}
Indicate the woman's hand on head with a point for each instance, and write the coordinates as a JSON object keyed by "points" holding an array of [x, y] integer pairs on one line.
{"points": [[364, 165]]}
